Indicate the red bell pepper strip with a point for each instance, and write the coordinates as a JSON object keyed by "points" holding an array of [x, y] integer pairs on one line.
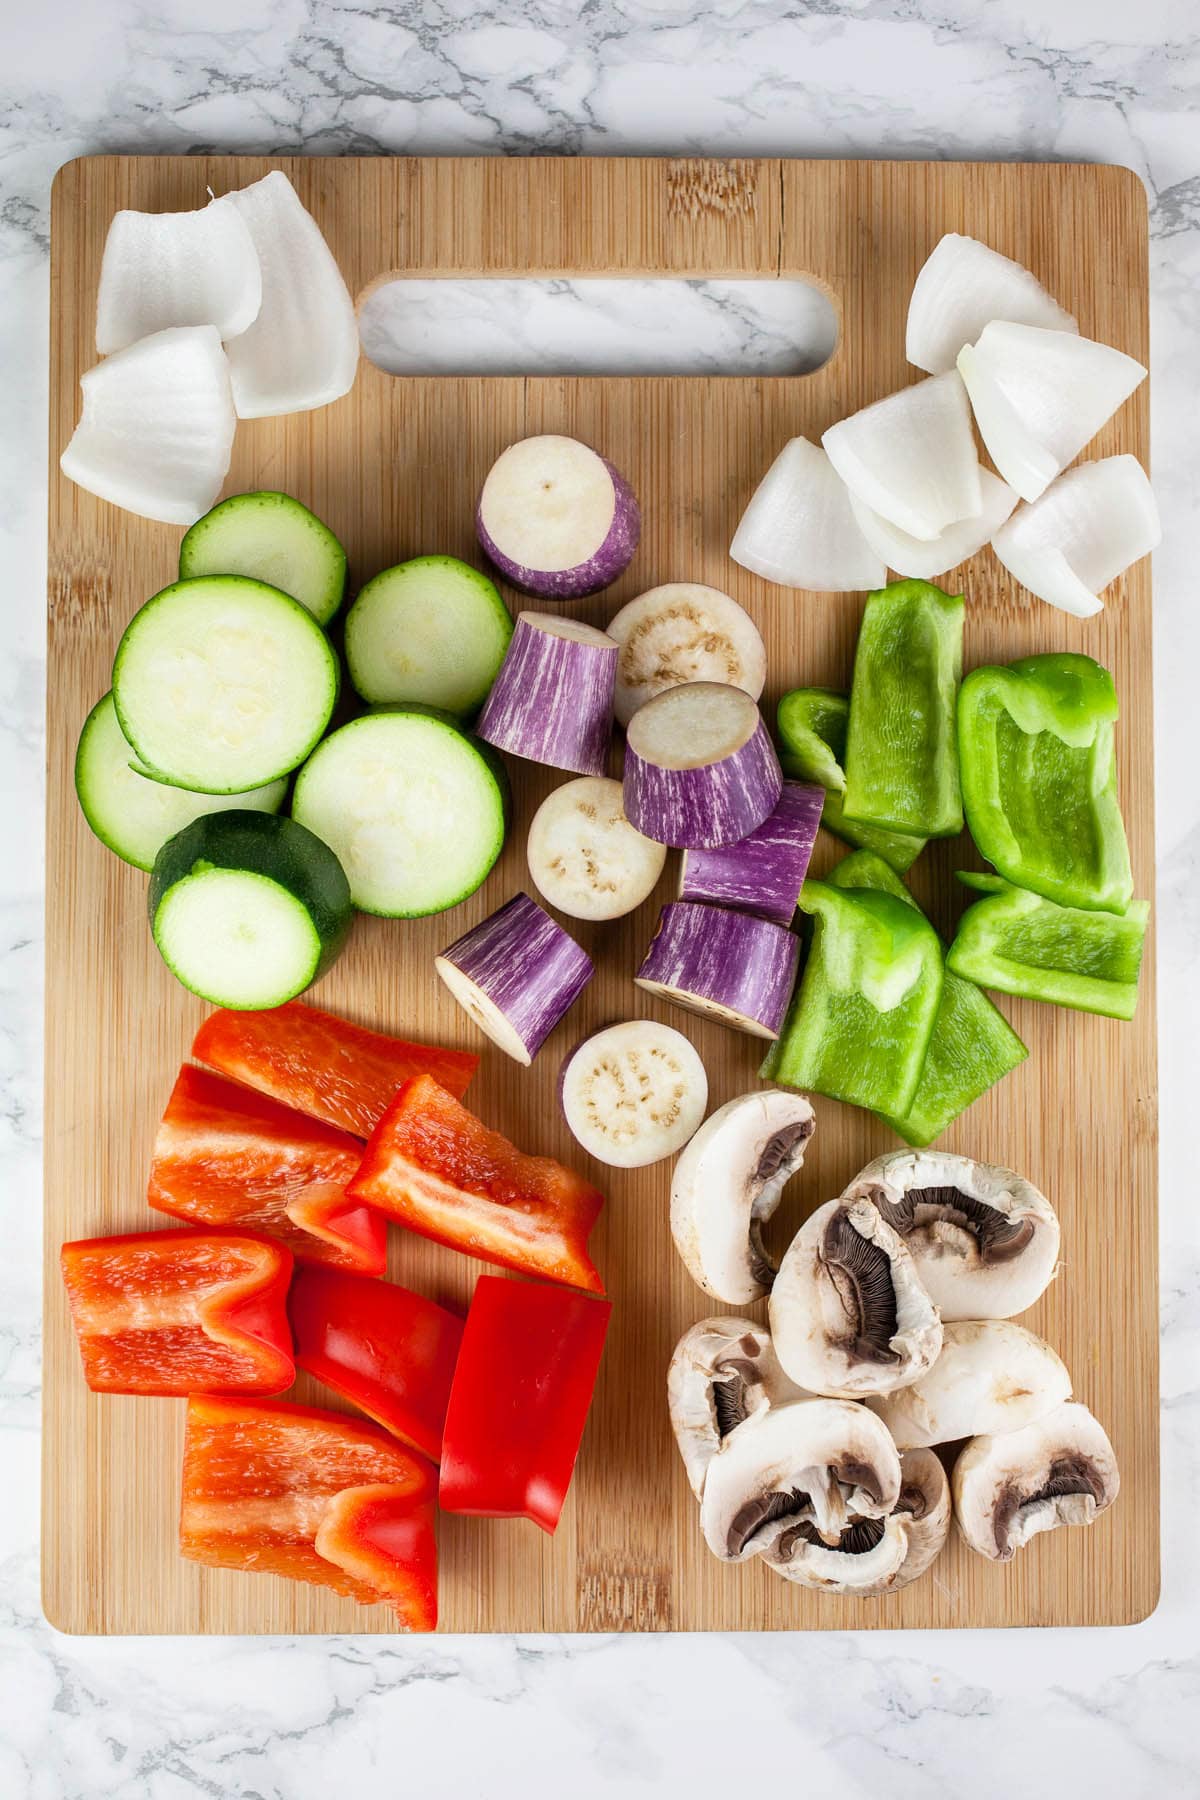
{"points": [[225, 1155], [318, 1496], [322, 1065], [431, 1165], [181, 1312], [390, 1351], [520, 1400]]}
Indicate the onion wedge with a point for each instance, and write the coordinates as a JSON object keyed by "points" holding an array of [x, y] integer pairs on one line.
{"points": [[302, 349], [919, 561], [911, 457], [1039, 396], [156, 431], [962, 286], [184, 268], [1088, 527], [798, 529]]}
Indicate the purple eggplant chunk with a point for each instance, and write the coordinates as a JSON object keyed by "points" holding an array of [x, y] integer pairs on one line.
{"points": [[556, 518], [763, 873], [700, 769], [517, 974], [726, 964], [552, 700]]}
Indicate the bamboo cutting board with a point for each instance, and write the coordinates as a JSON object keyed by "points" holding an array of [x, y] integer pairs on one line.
{"points": [[395, 468]]}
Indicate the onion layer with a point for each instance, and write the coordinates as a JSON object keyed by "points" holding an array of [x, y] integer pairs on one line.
{"points": [[911, 457], [1088, 527], [798, 529], [963, 285]]}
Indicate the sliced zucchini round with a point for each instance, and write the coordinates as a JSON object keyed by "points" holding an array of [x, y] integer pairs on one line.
{"points": [[413, 811], [134, 816], [247, 910], [222, 684], [273, 538], [432, 630]]}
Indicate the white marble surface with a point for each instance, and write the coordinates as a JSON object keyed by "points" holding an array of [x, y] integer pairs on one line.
{"points": [[903, 1715]]}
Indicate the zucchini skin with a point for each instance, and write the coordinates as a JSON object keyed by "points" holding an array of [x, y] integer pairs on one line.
{"points": [[264, 844]]}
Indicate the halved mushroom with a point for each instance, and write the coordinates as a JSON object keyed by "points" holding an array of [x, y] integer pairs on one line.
{"points": [[984, 1241], [824, 1463], [848, 1313], [1061, 1470], [723, 1372], [726, 1185], [874, 1556], [991, 1376]]}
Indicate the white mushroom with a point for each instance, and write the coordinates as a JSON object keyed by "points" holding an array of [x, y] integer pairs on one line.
{"points": [[1061, 1470], [874, 1556], [824, 1463], [726, 1185], [723, 1372], [991, 1376], [984, 1241], [848, 1313]]}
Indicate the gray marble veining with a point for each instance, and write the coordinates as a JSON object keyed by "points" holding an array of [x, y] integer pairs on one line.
{"points": [[906, 1715]]}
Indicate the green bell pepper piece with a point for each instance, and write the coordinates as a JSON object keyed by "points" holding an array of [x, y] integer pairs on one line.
{"points": [[863, 1012], [901, 749], [812, 733], [1020, 943], [1040, 780], [973, 1044]]}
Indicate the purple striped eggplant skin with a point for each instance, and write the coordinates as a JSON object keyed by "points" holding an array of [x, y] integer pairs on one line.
{"points": [[727, 965], [700, 769], [763, 873], [517, 974], [546, 493], [552, 700]]}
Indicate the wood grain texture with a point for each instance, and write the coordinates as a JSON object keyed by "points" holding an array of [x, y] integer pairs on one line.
{"points": [[395, 468]]}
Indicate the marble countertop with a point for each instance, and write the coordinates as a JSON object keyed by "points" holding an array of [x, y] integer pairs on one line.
{"points": [[890, 1713]]}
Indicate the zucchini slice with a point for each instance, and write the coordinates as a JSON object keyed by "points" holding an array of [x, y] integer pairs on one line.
{"points": [[222, 684], [411, 807], [273, 538], [433, 630], [134, 816], [247, 910]]}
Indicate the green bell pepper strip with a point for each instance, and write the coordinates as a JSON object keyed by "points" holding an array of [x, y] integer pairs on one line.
{"points": [[1039, 778], [812, 733], [973, 1044], [864, 1009], [1020, 943], [901, 743]]}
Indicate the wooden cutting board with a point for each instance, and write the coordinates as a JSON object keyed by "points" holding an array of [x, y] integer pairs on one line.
{"points": [[395, 468]]}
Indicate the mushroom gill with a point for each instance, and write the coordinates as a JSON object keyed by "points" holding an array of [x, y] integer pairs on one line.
{"points": [[817, 1464], [874, 1555], [723, 1372], [984, 1241], [849, 1316], [1060, 1470], [862, 1274], [727, 1184]]}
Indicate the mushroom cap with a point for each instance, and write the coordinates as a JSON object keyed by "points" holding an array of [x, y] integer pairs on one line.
{"points": [[984, 1240], [723, 1372], [827, 1462], [875, 1556], [849, 1316], [727, 1183], [991, 1376], [1061, 1470]]}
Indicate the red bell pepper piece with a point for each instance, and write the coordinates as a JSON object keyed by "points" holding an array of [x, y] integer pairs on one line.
{"points": [[181, 1312], [390, 1351], [225, 1155], [520, 1399], [318, 1496], [431, 1165], [322, 1065]]}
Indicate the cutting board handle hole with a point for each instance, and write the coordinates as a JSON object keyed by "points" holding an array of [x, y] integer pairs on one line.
{"points": [[560, 325]]}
